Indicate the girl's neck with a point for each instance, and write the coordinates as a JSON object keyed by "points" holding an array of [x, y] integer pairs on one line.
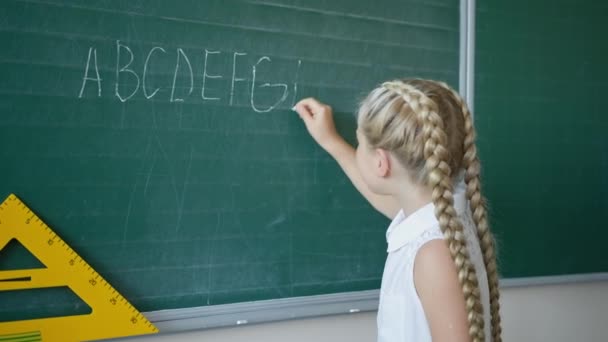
{"points": [[413, 197]]}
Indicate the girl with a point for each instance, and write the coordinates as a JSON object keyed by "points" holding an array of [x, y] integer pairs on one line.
{"points": [[417, 164]]}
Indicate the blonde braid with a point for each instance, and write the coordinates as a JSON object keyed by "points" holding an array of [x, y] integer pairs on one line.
{"points": [[478, 208], [439, 171]]}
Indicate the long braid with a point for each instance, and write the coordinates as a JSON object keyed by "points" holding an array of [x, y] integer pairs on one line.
{"points": [[436, 165], [478, 209]]}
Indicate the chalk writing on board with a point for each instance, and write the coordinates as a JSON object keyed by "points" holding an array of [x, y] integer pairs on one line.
{"points": [[86, 73], [137, 83]]}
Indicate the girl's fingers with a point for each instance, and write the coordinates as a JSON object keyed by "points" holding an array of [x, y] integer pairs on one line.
{"points": [[303, 111], [309, 106]]}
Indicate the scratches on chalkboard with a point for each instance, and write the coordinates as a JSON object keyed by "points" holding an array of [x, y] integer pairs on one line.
{"points": [[184, 187], [169, 166], [122, 117], [382, 20], [132, 195], [128, 215], [218, 224], [278, 220], [149, 174]]}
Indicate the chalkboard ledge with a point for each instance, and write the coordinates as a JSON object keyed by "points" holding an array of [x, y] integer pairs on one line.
{"points": [[180, 320]]}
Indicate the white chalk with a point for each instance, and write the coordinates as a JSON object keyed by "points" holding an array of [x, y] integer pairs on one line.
{"points": [[294, 108], [241, 321], [353, 310]]}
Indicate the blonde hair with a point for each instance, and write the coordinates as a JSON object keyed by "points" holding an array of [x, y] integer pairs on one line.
{"points": [[429, 129]]}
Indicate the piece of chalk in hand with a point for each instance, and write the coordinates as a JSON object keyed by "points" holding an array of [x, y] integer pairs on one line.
{"points": [[294, 108]]}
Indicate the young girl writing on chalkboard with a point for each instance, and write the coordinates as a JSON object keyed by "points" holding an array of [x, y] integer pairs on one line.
{"points": [[417, 164]]}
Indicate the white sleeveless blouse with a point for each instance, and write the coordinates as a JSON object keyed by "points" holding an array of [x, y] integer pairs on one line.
{"points": [[400, 314]]}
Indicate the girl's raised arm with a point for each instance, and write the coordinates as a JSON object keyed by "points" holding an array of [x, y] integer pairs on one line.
{"points": [[318, 118]]}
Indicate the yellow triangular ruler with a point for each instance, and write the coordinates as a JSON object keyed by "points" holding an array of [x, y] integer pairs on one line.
{"points": [[112, 315]]}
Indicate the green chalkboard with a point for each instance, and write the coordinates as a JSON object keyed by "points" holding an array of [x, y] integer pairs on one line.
{"points": [[156, 138], [541, 80]]}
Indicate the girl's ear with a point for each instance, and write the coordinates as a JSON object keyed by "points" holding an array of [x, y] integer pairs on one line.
{"points": [[383, 163]]}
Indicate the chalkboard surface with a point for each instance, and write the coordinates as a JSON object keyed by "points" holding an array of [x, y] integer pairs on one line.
{"points": [[541, 80], [155, 138]]}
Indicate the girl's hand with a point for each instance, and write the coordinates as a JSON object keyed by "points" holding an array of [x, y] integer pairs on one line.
{"points": [[319, 122]]}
